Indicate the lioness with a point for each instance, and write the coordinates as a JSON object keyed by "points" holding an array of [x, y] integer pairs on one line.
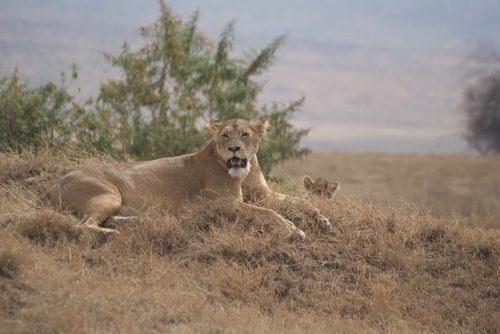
{"points": [[218, 170]]}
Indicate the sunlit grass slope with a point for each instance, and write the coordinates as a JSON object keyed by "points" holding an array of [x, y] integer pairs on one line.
{"points": [[388, 269]]}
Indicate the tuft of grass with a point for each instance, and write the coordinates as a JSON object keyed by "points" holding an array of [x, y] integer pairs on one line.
{"points": [[47, 228], [9, 264], [14, 293]]}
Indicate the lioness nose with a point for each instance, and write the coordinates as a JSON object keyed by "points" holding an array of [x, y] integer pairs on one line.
{"points": [[234, 148]]}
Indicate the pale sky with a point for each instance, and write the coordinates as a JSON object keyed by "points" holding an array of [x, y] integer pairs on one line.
{"points": [[383, 75]]}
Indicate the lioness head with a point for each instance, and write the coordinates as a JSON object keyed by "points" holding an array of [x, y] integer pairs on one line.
{"points": [[236, 141], [320, 187]]}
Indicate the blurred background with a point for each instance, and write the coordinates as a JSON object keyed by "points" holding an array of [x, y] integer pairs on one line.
{"points": [[377, 76]]}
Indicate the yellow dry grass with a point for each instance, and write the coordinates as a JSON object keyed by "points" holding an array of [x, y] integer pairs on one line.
{"points": [[382, 269]]}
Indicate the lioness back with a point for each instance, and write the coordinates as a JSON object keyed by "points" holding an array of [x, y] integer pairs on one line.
{"points": [[166, 179]]}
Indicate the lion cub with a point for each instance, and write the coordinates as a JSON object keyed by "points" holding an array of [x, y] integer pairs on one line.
{"points": [[320, 187]]}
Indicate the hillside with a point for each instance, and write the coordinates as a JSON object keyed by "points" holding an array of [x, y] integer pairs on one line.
{"points": [[384, 268]]}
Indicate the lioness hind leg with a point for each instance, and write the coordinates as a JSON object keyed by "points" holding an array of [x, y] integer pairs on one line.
{"points": [[87, 193], [99, 208]]}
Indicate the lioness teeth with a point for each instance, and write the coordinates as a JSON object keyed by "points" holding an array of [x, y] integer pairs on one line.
{"points": [[236, 162]]}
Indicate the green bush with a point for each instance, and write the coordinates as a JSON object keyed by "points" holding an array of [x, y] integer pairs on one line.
{"points": [[482, 107], [167, 92], [31, 117]]}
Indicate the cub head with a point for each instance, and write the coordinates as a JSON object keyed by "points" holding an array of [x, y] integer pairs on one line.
{"points": [[236, 141], [320, 187]]}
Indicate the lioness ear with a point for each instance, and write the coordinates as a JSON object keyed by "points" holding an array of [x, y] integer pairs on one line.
{"points": [[307, 182], [214, 125], [260, 127]]}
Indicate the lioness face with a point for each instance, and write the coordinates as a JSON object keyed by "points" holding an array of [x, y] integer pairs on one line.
{"points": [[237, 141]]}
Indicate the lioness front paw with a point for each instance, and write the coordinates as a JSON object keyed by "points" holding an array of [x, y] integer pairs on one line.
{"points": [[325, 223], [297, 235]]}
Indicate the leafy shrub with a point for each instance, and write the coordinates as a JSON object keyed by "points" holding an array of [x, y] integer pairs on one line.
{"points": [[31, 117]]}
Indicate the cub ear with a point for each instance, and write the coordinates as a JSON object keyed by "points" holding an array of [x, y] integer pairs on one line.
{"points": [[260, 127], [335, 186], [214, 125], [308, 182]]}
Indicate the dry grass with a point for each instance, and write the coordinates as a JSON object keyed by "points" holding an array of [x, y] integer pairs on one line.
{"points": [[444, 184], [382, 269]]}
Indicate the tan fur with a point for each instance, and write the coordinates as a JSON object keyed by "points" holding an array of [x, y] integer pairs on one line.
{"points": [[320, 187], [101, 192]]}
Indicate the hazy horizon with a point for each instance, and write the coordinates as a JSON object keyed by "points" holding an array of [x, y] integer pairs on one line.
{"points": [[385, 76]]}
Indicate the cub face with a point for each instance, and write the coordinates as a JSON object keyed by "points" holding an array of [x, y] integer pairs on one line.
{"points": [[320, 187], [236, 141]]}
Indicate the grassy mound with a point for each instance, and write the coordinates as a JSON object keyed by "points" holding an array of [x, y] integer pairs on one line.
{"points": [[217, 270]]}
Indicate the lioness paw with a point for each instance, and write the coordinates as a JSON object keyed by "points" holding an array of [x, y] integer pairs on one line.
{"points": [[103, 230], [325, 223], [297, 235]]}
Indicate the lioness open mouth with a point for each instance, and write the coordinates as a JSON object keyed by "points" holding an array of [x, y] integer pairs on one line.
{"points": [[236, 162]]}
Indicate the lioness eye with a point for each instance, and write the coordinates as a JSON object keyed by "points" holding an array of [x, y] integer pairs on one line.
{"points": [[225, 135], [244, 135]]}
